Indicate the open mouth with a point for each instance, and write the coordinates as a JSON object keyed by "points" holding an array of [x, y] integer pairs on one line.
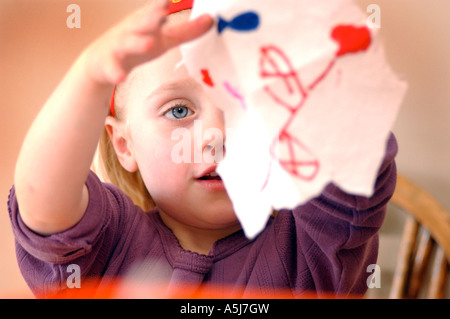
{"points": [[211, 181], [213, 176]]}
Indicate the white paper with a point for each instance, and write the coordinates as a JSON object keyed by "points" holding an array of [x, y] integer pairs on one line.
{"points": [[301, 108]]}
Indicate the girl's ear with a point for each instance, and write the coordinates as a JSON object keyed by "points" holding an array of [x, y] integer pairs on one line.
{"points": [[121, 142]]}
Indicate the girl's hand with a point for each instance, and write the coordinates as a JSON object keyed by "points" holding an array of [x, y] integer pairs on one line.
{"points": [[57, 153], [139, 38]]}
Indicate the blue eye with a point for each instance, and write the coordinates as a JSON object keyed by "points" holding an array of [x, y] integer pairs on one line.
{"points": [[178, 112]]}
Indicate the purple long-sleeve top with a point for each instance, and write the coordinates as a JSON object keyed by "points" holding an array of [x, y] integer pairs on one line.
{"points": [[324, 246]]}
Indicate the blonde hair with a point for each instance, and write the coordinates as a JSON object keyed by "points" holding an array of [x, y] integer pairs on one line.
{"points": [[106, 164], [110, 170]]}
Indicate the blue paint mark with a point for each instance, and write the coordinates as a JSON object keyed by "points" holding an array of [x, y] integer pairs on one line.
{"points": [[247, 21]]}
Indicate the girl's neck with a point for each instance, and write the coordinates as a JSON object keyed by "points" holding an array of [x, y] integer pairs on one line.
{"points": [[196, 239]]}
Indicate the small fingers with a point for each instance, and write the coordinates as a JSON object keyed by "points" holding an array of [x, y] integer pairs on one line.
{"points": [[150, 18], [175, 35], [136, 44], [134, 50], [143, 36]]}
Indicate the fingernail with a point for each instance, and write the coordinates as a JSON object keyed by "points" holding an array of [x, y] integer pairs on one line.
{"points": [[206, 18]]}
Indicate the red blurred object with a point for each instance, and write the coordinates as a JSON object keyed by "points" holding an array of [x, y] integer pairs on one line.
{"points": [[179, 5], [124, 289]]}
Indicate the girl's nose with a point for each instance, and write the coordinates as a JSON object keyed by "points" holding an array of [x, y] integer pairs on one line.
{"points": [[214, 136], [214, 152]]}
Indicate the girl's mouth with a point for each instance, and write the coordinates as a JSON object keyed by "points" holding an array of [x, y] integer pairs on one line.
{"points": [[213, 176], [211, 182]]}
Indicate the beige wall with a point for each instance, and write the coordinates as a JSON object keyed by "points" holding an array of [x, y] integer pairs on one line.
{"points": [[36, 48], [417, 37]]}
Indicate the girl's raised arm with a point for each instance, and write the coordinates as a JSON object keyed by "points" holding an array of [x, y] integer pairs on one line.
{"points": [[56, 155]]}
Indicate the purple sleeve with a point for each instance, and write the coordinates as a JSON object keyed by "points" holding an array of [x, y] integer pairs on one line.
{"points": [[337, 234], [43, 260]]}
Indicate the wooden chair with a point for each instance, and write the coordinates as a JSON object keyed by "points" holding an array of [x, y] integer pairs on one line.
{"points": [[424, 253]]}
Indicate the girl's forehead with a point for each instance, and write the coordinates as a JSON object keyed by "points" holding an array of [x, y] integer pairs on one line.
{"points": [[154, 74], [149, 76]]}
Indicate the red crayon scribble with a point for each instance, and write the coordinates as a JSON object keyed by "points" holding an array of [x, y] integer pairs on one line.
{"points": [[269, 63], [274, 63], [300, 160], [206, 78]]}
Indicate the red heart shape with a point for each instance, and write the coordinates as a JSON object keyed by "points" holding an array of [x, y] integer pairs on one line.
{"points": [[351, 39]]}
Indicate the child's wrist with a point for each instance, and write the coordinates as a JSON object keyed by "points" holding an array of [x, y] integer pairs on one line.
{"points": [[90, 68], [82, 90]]}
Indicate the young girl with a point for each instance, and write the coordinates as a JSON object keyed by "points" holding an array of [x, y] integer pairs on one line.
{"points": [[175, 219]]}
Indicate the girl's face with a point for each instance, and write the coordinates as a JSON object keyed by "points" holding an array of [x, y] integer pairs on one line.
{"points": [[163, 99]]}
